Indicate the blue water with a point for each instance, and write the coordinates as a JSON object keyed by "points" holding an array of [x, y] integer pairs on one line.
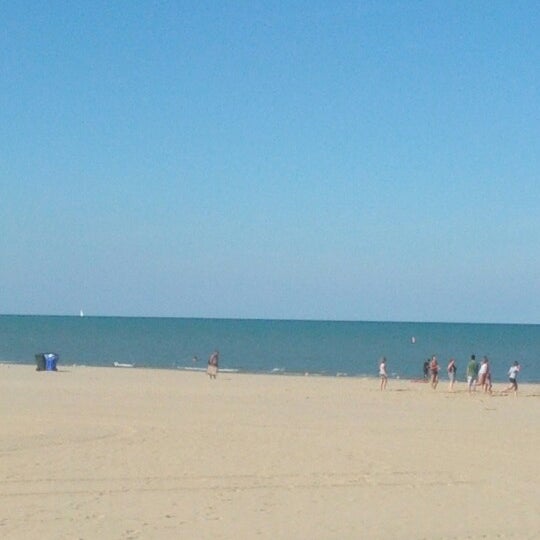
{"points": [[269, 346]]}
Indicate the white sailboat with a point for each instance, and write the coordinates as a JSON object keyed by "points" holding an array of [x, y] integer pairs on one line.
{"points": [[81, 313]]}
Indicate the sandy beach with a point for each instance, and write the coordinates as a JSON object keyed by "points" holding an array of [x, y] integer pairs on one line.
{"points": [[105, 453]]}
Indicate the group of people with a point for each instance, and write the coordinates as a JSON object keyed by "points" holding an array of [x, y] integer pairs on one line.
{"points": [[478, 374]]}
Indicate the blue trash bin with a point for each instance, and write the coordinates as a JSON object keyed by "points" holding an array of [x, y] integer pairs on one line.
{"points": [[51, 360]]}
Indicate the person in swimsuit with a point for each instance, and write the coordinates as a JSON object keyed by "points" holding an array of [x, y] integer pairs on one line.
{"points": [[485, 378], [434, 372], [451, 368], [213, 362]]}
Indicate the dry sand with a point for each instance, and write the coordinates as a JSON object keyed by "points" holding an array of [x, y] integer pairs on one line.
{"points": [[99, 453]]}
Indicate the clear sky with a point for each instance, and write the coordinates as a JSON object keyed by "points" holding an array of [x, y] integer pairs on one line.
{"points": [[368, 160]]}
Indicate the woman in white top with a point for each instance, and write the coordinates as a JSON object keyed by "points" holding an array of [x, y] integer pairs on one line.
{"points": [[482, 374], [382, 373]]}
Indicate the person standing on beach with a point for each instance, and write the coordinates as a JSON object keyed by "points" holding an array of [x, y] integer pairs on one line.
{"points": [[489, 383], [451, 368], [484, 375], [383, 374], [434, 372], [426, 370], [213, 363], [512, 377], [472, 373]]}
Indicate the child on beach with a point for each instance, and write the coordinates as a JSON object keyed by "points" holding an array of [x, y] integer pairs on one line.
{"points": [[512, 377], [383, 373]]}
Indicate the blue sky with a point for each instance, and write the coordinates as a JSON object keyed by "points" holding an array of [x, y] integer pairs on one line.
{"points": [[322, 160]]}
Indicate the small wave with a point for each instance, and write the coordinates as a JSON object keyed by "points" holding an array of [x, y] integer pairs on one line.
{"points": [[203, 369]]}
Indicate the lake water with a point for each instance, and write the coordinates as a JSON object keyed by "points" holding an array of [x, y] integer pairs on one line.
{"points": [[270, 346]]}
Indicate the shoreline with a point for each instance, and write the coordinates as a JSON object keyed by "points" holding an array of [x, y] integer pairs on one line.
{"points": [[275, 373]]}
